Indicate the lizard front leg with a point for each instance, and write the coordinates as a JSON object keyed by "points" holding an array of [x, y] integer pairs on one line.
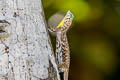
{"points": [[52, 29]]}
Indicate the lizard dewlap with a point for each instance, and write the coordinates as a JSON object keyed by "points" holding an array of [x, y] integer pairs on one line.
{"points": [[71, 16]]}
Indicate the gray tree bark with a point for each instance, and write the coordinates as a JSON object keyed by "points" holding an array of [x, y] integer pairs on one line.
{"points": [[25, 48]]}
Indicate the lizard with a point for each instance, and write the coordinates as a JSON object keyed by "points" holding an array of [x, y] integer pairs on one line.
{"points": [[62, 54]]}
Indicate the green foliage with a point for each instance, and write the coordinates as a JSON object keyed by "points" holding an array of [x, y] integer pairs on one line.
{"points": [[79, 8], [94, 39]]}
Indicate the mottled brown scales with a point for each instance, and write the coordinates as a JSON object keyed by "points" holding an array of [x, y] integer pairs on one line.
{"points": [[62, 47]]}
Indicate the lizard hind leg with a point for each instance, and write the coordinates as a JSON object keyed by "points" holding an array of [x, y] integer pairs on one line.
{"points": [[65, 72], [64, 75]]}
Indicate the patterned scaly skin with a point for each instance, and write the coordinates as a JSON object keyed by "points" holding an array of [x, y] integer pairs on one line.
{"points": [[62, 47]]}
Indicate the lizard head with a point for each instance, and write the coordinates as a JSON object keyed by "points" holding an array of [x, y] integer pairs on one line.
{"points": [[66, 21], [70, 15]]}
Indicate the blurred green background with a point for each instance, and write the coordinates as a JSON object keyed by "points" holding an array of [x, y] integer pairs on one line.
{"points": [[94, 37]]}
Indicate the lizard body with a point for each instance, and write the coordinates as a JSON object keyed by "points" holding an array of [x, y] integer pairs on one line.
{"points": [[62, 47]]}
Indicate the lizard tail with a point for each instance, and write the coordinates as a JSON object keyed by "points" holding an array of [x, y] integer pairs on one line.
{"points": [[66, 74]]}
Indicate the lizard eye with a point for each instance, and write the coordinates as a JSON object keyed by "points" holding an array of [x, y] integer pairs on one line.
{"points": [[71, 16]]}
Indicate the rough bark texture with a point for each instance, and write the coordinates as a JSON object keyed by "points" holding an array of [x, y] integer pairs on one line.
{"points": [[26, 54]]}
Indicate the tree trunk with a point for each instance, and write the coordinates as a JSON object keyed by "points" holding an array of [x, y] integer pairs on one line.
{"points": [[25, 48]]}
